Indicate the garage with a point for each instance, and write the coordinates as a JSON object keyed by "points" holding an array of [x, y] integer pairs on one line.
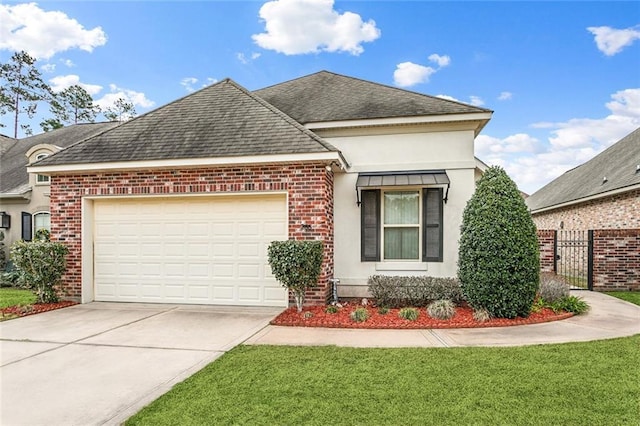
{"points": [[188, 249]]}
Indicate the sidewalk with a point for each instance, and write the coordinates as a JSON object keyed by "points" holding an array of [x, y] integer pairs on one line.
{"points": [[608, 318]]}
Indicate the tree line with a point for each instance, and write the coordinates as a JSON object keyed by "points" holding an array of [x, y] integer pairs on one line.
{"points": [[23, 89]]}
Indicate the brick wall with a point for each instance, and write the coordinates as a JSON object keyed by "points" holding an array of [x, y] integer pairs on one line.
{"points": [[621, 211], [309, 187], [616, 257], [616, 264]]}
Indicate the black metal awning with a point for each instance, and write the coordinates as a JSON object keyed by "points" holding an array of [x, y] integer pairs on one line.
{"points": [[404, 178]]}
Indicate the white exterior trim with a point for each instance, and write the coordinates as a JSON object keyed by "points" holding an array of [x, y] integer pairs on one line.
{"points": [[425, 119], [589, 198], [189, 163]]}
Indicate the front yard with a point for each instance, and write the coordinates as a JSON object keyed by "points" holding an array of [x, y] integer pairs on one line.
{"points": [[571, 384]]}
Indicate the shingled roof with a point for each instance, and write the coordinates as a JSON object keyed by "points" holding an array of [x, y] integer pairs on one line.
{"points": [[13, 162], [619, 164], [221, 120], [326, 96]]}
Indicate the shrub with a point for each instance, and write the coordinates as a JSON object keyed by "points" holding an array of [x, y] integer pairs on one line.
{"points": [[3, 253], [40, 265], [552, 287], [481, 315], [297, 265], [410, 314], [383, 310], [570, 304], [359, 314], [331, 309], [499, 259], [397, 292], [441, 309]]}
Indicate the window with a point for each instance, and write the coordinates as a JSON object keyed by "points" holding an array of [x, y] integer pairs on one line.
{"points": [[42, 178], [401, 225], [32, 223]]}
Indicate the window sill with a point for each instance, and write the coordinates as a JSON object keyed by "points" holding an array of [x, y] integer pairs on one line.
{"points": [[401, 266]]}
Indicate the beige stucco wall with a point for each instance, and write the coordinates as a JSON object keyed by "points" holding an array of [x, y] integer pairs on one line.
{"points": [[449, 150]]}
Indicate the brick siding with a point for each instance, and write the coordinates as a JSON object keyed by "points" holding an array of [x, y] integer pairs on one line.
{"points": [[616, 257], [309, 187], [620, 211]]}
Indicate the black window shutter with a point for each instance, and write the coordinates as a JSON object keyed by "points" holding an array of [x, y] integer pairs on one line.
{"points": [[26, 226], [370, 225], [432, 230]]}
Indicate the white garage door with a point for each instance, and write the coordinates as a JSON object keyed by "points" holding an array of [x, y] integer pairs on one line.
{"points": [[203, 250]]}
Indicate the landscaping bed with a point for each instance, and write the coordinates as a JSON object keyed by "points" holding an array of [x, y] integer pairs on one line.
{"points": [[317, 316], [37, 308]]}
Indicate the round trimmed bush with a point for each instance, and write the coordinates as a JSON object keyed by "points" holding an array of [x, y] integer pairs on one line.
{"points": [[499, 260]]}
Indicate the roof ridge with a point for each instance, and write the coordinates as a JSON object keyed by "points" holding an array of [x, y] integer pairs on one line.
{"points": [[286, 117]]}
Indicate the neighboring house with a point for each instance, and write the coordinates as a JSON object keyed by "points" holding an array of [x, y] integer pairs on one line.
{"points": [[602, 193], [179, 205], [24, 197]]}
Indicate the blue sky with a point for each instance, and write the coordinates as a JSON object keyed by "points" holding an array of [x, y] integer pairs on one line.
{"points": [[563, 78]]}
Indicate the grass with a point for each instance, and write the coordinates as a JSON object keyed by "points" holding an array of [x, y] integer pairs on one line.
{"points": [[13, 297], [629, 296], [569, 384]]}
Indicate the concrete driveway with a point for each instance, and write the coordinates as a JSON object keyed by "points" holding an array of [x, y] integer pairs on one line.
{"points": [[100, 363]]}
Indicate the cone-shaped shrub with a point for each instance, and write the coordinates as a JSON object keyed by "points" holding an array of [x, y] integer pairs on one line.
{"points": [[499, 260]]}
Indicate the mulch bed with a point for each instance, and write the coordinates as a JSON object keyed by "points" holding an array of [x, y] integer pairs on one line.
{"points": [[315, 316], [37, 308]]}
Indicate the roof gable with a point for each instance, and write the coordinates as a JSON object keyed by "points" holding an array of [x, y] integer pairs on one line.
{"points": [[326, 96], [618, 163], [221, 120], [13, 162]]}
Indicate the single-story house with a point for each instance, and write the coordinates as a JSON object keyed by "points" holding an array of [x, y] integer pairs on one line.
{"points": [[603, 193], [24, 197], [180, 204]]}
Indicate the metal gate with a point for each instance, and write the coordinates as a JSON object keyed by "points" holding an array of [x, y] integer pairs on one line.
{"points": [[574, 258]]}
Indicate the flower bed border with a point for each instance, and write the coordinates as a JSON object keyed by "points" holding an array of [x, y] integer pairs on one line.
{"points": [[37, 308], [315, 316]]}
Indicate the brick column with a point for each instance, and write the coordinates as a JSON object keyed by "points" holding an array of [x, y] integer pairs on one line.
{"points": [[547, 244]]}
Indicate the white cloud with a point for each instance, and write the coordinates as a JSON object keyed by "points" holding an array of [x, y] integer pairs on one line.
{"points": [[44, 33], [476, 100], [189, 83], [611, 40], [442, 61], [409, 74], [48, 68], [505, 96], [68, 62], [243, 58], [61, 82], [449, 98], [296, 27], [532, 164], [138, 99]]}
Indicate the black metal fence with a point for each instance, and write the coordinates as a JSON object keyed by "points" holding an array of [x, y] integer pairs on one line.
{"points": [[574, 258]]}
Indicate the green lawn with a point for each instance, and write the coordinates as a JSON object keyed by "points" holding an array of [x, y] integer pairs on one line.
{"points": [[629, 296], [569, 384], [13, 296]]}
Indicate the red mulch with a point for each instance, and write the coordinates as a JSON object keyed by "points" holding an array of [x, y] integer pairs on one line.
{"points": [[37, 308], [317, 317]]}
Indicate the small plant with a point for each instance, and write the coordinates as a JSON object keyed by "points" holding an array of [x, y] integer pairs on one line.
{"points": [[572, 304], [40, 265], [383, 310], [481, 315], [359, 314], [410, 314], [332, 309], [308, 315], [552, 287], [539, 305], [402, 291], [441, 309]]}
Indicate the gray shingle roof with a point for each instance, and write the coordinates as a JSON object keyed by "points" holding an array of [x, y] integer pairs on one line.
{"points": [[326, 96], [618, 164], [13, 162], [221, 120]]}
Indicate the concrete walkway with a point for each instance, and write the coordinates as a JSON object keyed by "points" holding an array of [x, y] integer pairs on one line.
{"points": [[608, 318], [100, 363]]}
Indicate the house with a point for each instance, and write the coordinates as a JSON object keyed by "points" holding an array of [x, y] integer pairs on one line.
{"points": [[179, 205], [603, 193], [24, 197]]}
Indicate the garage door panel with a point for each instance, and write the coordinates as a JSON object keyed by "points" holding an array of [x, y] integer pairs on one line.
{"points": [[188, 249]]}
